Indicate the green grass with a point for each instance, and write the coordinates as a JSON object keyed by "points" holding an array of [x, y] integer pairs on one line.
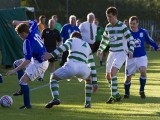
{"points": [[72, 98]]}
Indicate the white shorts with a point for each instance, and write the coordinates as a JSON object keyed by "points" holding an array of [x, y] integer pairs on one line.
{"points": [[135, 63], [35, 69], [115, 59], [73, 68]]}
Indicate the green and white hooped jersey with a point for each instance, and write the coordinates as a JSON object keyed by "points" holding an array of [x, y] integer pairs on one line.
{"points": [[79, 51], [117, 37]]}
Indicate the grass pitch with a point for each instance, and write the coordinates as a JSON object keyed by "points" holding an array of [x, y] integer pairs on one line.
{"points": [[72, 98]]}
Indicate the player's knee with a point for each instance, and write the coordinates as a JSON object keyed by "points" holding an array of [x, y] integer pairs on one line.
{"points": [[143, 73], [114, 71]]}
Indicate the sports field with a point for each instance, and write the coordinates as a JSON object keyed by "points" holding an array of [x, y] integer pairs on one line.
{"points": [[72, 98]]}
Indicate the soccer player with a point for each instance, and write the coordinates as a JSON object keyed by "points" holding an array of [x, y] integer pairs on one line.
{"points": [[139, 60], [33, 47], [79, 59], [117, 35]]}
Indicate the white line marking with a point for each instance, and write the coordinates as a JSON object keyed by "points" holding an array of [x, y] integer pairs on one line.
{"points": [[45, 85]]}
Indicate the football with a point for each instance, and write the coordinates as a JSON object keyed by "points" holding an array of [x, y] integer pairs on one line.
{"points": [[6, 101]]}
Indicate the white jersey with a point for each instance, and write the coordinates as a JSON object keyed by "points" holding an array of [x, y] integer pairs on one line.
{"points": [[79, 51]]}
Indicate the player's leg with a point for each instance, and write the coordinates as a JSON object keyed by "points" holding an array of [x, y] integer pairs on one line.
{"points": [[115, 96], [142, 79], [142, 65], [127, 85], [52, 66], [83, 72], [130, 69], [88, 92], [118, 60], [19, 74], [25, 88], [62, 73], [54, 87], [33, 70]]}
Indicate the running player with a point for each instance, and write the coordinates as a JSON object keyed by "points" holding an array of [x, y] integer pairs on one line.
{"points": [[33, 47]]}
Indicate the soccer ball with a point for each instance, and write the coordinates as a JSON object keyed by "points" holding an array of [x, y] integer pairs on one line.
{"points": [[6, 101]]}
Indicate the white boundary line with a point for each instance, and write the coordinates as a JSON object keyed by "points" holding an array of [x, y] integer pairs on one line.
{"points": [[45, 85]]}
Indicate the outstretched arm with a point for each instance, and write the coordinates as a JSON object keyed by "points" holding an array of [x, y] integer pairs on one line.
{"points": [[16, 22], [21, 66], [64, 47]]}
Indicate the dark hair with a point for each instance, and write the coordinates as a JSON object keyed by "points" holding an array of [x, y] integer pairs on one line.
{"points": [[134, 18], [76, 34], [112, 10], [22, 28]]}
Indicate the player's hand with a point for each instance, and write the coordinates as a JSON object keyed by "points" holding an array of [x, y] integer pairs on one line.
{"points": [[10, 72], [95, 87], [46, 56], [130, 55], [158, 49]]}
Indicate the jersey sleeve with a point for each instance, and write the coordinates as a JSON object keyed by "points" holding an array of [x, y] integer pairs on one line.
{"points": [[104, 42], [149, 40], [33, 27], [129, 38], [91, 64], [27, 50], [66, 46]]}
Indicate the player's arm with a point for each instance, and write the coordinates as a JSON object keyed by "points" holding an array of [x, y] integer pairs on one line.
{"points": [[91, 64], [130, 40], [104, 43], [27, 55], [16, 22], [150, 41], [21, 66], [31, 23], [66, 46]]}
